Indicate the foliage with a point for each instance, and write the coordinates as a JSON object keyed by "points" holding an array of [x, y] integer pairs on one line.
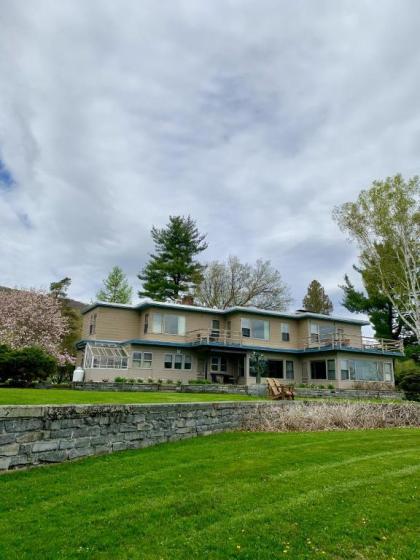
{"points": [[116, 288], [410, 384], [316, 300], [172, 271], [120, 379], [74, 321], [199, 382], [258, 365], [240, 284], [333, 495], [24, 365], [33, 318], [385, 223]]}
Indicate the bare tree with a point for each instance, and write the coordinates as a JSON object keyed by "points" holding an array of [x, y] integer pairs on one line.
{"points": [[385, 223], [240, 284]]}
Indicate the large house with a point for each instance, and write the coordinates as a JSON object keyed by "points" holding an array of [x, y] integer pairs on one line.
{"points": [[154, 340]]}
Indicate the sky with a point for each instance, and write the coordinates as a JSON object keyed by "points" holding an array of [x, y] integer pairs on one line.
{"points": [[254, 117]]}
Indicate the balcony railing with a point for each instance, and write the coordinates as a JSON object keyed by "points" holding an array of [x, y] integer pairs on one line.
{"points": [[314, 342]]}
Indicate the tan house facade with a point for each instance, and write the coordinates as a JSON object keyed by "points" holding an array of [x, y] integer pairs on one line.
{"points": [[154, 340]]}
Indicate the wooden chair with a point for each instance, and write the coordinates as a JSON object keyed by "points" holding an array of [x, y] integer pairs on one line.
{"points": [[273, 390], [277, 391]]}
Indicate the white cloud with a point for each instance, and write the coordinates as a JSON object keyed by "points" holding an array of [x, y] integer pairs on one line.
{"points": [[254, 117]]}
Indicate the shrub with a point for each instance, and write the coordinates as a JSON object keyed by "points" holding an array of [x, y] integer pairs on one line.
{"points": [[120, 380], [131, 381], [26, 365], [169, 382], [199, 382], [179, 382], [140, 380], [410, 384], [160, 381], [404, 368], [150, 380], [330, 386]]}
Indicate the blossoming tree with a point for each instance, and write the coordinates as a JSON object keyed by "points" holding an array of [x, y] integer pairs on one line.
{"points": [[33, 318]]}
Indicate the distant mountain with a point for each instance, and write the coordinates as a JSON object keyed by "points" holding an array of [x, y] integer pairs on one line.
{"points": [[73, 303]]}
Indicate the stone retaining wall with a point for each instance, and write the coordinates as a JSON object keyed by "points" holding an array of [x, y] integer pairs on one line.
{"points": [[35, 435], [348, 393]]}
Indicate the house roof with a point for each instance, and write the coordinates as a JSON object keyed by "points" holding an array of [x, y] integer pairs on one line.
{"points": [[145, 304]]}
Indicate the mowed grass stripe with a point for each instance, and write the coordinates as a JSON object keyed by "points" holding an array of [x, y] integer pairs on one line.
{"points": [[70, 396], [206, 497]]}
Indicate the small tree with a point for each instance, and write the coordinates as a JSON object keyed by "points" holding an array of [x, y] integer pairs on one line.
{"points": [[259, 365], [172, 270], [385, 223], [240, 284], [316, 300], [116, 288]]}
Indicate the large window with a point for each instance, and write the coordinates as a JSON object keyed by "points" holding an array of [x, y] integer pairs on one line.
{"points": [[106, 356], [218, 363], [255, 328], [169, 324], [331, 369], [285, 333], [365, 370], [290, 371], [177, 361], [142, 360]]}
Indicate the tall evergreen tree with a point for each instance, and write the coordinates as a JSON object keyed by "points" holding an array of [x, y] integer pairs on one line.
{"points": [[316, 300], [172, 270], [116, 288]]}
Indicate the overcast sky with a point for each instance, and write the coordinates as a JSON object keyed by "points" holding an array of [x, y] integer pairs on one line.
{"points": [[254, 117]]}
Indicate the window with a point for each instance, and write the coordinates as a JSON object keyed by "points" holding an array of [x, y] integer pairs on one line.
{"points": [[290, 372], [387, 371], [168, 324], [255, 328], [365, 370], [147, 360], [136, 360], [142, 360], [92, 325], [285, 334], [314, 329], [215, 328], [218, 363], [146, 323], [331, 369], [177, 361]]}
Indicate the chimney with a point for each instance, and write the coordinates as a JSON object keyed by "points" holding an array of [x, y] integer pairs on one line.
{"points": [[188, 299]]}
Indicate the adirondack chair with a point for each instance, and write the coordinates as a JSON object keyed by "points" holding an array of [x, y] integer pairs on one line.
{"points": [[286, 391], [273, 390]]}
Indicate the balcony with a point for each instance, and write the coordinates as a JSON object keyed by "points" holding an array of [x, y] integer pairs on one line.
{"points": [[338, 341]]}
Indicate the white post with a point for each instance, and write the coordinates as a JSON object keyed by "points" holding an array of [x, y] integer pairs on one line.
{"points": [[246, 368]]}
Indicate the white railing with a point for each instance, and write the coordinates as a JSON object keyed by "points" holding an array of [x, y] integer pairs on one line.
{"points": [[315, 341]]}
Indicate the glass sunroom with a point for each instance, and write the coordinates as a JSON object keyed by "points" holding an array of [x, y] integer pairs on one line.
{"points": [[105, 356]]}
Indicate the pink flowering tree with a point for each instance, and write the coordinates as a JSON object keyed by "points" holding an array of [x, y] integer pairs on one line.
{"points": [[33, 318]]}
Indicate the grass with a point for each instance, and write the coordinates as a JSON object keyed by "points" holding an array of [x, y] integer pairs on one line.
{"points": [[69, 396], [334, 495]]}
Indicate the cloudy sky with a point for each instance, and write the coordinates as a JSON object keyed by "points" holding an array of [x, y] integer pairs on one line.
{"points": [[255, 117]]}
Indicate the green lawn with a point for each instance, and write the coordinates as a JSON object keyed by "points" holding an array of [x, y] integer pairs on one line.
{"points": [[69, 396], [336, 495]]}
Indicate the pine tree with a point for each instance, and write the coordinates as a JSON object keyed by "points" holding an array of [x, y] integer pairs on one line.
{"points": [[116, 288], [316, 300], [172, 270]]}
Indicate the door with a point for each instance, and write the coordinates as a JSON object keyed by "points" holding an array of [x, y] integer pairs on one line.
{"points": [[275, 369]]}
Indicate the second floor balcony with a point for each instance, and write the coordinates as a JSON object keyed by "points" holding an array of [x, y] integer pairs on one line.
{"points": [[332, 341]]}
